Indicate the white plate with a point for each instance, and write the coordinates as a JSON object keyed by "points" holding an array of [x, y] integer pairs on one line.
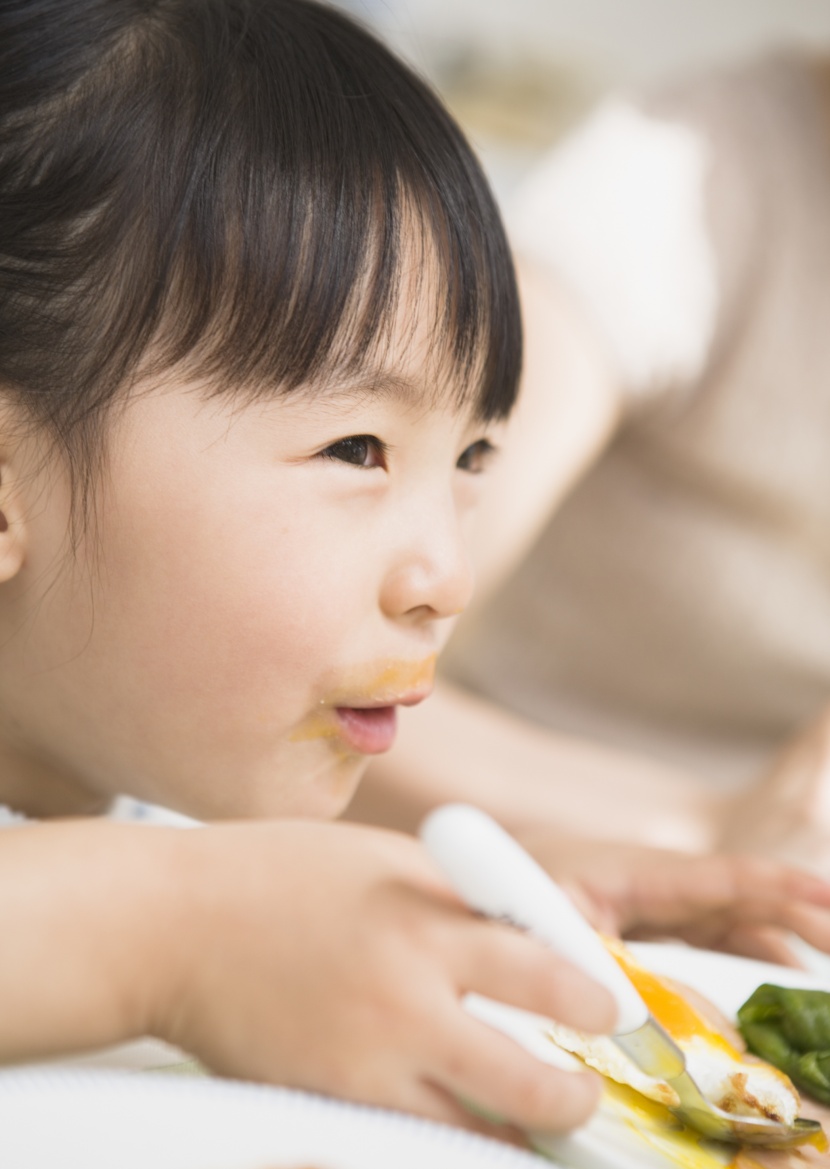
{"points": [[70, 1119], [66, 1118]]}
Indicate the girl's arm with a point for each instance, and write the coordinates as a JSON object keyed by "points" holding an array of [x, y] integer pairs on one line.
{"points": [[570, 405], [459, 746], [326, 957], [787, 813], [85, 907]]}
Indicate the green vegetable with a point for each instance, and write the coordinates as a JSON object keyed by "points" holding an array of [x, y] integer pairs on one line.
{"points": [[791, 1030]]}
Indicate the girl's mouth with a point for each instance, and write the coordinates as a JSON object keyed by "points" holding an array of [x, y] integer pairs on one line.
{"points": [[367, 730]]}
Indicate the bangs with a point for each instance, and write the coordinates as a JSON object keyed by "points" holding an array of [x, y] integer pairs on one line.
{"points": [[297, 238], [246, 178]]}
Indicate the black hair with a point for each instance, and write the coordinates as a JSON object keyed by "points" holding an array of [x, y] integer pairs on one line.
{"points": [[226, 183]]}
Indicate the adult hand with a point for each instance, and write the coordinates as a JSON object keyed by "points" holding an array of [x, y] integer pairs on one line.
{"points": [[739, 903]]}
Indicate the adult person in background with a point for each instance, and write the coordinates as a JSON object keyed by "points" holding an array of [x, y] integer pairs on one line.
{"points": [[649, 657]]}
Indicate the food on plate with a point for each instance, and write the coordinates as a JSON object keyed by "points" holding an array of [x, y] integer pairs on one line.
{"points": [[634, 1116], [735, 1082], [791, 1029]]}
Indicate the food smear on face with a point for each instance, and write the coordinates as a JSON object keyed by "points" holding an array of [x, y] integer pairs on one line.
{"points": [[383, 682], [372, 686], [320, 724]]}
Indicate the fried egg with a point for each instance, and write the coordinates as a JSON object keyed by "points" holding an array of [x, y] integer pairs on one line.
{"points": [[733, 1081]]}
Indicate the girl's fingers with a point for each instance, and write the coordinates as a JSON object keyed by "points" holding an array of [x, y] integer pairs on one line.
{"points": [[423, 1098], [485, 1067], [513, 968]]}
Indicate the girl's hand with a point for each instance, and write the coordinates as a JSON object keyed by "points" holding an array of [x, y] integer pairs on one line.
{"points": [[740, 903], [333, 958]]}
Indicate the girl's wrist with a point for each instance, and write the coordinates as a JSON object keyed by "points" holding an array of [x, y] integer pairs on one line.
{"points": [[86, 908], [181, 909], [161, 930], [135, 921]]}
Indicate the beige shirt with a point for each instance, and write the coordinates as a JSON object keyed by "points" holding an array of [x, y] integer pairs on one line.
{"points": [[679, 602]]}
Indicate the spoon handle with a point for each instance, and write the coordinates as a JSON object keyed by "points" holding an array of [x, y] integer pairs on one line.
{"points": [[494, 875]]}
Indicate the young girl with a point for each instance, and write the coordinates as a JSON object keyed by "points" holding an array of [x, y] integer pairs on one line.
{"points": [[258, 332]]}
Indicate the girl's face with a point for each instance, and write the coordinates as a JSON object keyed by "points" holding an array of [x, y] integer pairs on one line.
{"points": [[266, 582]]}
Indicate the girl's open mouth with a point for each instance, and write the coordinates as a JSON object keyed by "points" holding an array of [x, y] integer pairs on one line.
{"points": [[368, 730]]}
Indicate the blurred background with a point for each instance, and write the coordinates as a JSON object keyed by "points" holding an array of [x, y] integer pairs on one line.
{"points": [[516, 73]]}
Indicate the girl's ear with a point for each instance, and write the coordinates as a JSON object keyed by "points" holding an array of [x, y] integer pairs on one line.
{"points": [[12, 525]]}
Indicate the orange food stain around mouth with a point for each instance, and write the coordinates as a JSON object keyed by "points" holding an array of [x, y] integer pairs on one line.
{"points": [[382, 683], [319, 725], [322, 726], [375, 684]]}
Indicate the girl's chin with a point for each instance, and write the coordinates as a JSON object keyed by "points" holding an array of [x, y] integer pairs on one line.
{"points": [[312, 780], [329, 794]]}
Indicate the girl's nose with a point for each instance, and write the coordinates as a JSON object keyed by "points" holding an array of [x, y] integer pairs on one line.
{"points": [[431, 576]]}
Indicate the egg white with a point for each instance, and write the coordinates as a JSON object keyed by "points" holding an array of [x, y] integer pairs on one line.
{"points": [[730, 1079]]}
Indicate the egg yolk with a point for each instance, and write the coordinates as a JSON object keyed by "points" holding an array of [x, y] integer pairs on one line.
{"points": [[669, 1008]]}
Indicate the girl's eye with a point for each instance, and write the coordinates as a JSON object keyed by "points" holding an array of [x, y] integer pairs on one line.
{"points": [[361, 450], [476, 457]]}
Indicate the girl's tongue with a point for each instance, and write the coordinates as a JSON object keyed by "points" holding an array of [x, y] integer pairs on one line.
{"points": [[368, 730]]}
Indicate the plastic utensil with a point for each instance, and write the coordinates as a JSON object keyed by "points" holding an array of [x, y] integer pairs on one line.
{"points": [[493, 874]]}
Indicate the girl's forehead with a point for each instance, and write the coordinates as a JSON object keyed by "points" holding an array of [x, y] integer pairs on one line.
{"points": [[414, 357], [408, 387], [405, 347]]}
